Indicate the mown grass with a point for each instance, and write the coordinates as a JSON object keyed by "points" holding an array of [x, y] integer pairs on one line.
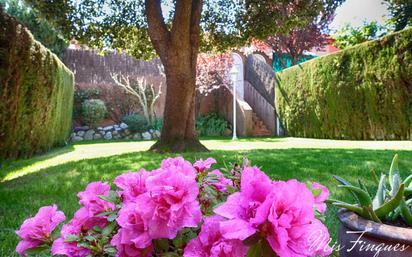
{"points": [[22, 196]]}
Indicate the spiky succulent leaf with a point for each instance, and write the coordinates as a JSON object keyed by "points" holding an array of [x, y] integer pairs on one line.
{"points": [[396, 181], [345, 183], [406, 213], [393, 169], [362, 195], [379, 198], [408, 181], [390, 205], [351, 207]]}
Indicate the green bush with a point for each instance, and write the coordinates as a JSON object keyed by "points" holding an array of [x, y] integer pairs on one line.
{"points": [[157, 124], [93, 111], [36, 93], [363, 92], [136, 122], [81, 95], [211, 125]]}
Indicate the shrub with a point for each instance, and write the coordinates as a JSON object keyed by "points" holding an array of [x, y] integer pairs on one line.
{"points": [[36, 93], [184, 209], [81, 95], [363, 92], [136, 122], [94, 111], [157, 124], [211, 125]]}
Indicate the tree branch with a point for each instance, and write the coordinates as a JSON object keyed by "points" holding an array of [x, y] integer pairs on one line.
{"points": [[158, 32]]}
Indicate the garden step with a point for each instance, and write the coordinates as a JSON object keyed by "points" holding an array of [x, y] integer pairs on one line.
{"points": [[259, 127]]}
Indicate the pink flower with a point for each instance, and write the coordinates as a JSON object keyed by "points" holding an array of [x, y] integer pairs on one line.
{"points": [[287, 219], [223, 182], [170, 203], [322, 197], [180, 165], [202, 165], [37, 230], [134, 230], [126, 248], [133, 184], [91, 201], [210, 242], [240, 208], [80, 224]]}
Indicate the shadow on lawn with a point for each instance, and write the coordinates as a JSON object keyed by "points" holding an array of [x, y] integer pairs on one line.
{"points": [[7, 166]]}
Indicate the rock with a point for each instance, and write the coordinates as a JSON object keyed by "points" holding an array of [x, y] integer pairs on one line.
{"points": [[81, 133], [89, 134], [137, 136], [117, 137], [108, 136], [146, 136], [108, 128], [123, 125], [156, 134], [118, 129], [151, 131], [126, 132], [99, 128], [115, 133], [77, 139], [116, 126], [128, 137], [97, 136], [72, 135], [83, 128]]}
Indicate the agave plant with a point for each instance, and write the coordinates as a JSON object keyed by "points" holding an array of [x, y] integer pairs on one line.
{"points": [[392, 200]]}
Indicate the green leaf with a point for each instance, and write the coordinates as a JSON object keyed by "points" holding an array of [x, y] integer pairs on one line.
{"points": [[71, 238], [406, 213], [363, 197], [351, 207], [38, 250], [255, 250], [109, 229], [345, 183], [162, 244], [391, 205], [379, 198], [261, 249], [408, 181], [394, 168], [112, 217]]}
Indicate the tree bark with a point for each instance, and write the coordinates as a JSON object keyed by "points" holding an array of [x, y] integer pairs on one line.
{"points": [[178, 49]]}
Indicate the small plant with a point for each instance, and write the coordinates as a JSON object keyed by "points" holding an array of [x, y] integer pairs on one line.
{"points": [[81, 95], [211, 125], [94, 111], [391, 201], [136, 122], [157, 124]]}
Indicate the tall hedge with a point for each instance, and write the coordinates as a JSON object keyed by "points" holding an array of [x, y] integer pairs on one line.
{"points": [[36, 93], [364, 92]]}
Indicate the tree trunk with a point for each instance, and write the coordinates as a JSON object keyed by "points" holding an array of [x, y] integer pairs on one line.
{"points": [[178, 49]]}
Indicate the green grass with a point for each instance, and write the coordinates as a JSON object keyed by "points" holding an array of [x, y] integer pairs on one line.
{"points": [[65, 172]]}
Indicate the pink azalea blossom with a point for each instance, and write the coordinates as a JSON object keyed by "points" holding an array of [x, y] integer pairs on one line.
{"points": [[223, 182], [179, 165], [126, 248], [322, 197], [81, 223], [240, 207], [170, 203], [37, 230], [132, 184], [211, 243], [91, 201], [202, 165], [134, 230]]}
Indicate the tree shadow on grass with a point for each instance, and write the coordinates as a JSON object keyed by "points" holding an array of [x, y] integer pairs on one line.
{"points": [[7, 166]]}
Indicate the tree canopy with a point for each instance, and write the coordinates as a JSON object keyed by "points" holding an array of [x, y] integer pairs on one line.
{"points": [[122, 24]]}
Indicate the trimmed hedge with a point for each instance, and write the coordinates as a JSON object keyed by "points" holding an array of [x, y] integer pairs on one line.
{"points": [[36, 93], [364, 92]]}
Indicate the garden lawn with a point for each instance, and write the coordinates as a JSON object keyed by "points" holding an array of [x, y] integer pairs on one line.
{"points": [[59, 175]]}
